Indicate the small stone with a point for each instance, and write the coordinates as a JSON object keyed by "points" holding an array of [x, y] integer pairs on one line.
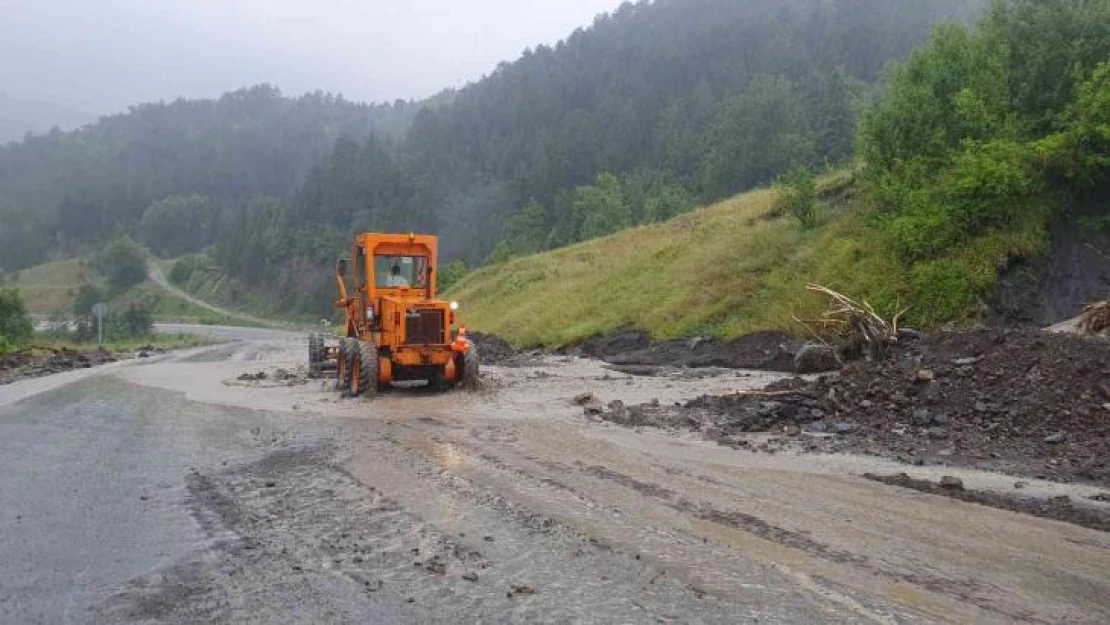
{"points": [[522, 589], [815, 358], [488, 539], [865, 403], [584, 398], [470, 576], [1054, 439], [909, 334], [1020, 485], [593, 407], [965, 362], [938, 433], [954, 483], [357, 559], [816, 426], [922, 417], [940, 419], [271, 484], [844, 428], [925, 375]]}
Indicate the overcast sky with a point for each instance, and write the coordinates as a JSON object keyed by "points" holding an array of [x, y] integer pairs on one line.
{"points": [[89, 57]]}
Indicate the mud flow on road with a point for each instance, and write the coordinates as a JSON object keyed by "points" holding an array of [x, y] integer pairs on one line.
{"points": [[188, 488]]}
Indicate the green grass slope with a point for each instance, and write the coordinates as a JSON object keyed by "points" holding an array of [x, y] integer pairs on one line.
{"points": [[50, 289], [727, 269]]}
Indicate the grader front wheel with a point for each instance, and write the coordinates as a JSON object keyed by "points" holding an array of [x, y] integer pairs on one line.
{"points": [[348, 362], [467, 365]]}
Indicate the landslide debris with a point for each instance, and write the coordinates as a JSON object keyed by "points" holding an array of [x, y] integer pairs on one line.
{"points": [[1020, 401], [1057, 508], [767, 351], [38, 362], [494, 350]]}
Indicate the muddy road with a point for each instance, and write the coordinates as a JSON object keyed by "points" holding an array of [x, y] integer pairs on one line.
{"points": [[170, 490]]}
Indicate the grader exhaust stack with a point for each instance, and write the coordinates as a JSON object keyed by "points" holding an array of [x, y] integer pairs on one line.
{"points": [[396, 329]]}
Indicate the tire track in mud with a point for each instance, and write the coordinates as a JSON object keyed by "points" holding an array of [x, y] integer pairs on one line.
{"points": [[965, 590], [834, 606], [295, 537]]}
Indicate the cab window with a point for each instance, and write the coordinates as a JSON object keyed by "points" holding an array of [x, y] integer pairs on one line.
{"points": [[400, 271]]}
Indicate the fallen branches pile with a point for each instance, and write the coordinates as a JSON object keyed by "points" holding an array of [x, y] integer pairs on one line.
{"points": [[1095, 318], [855, 328]]}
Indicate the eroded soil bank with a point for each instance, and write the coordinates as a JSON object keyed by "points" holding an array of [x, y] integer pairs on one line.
{"points": [[37, 362], [1024, 402]]}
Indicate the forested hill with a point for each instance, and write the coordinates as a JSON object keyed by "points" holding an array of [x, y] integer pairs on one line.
{"points": [[63, 190], [681, 101], [653, 109]]}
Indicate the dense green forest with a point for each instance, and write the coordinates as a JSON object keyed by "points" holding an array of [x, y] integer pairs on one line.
{"points": [[986, 136], [65, 191], [648, 112], [983, 147]]}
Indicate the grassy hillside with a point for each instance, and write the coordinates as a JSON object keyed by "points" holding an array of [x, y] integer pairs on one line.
{"points": [[728, 269], [49, 289]]}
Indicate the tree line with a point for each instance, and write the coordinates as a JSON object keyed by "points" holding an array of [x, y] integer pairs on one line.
{"points": [[986, 135], [655, 108]]}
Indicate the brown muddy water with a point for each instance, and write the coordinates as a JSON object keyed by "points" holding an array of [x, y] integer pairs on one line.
{"points": [[511, 505]]}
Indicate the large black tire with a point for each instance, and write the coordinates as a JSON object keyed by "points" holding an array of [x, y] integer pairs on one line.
{"points": [[348, 351], [315, 354], [367, 370], [470, 363], [438, 382]]}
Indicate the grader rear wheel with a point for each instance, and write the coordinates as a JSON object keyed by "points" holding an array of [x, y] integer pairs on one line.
{"points": [[316, 354], [367, 379]]}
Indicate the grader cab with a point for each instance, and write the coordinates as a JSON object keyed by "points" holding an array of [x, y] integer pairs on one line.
{"points": [[396, 329]]}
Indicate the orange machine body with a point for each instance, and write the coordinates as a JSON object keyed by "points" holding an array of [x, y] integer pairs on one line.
{"points": [[392, 305]]}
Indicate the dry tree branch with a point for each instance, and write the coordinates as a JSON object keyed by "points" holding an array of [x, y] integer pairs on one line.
{"points": [[1095, 317], [854, 325]]}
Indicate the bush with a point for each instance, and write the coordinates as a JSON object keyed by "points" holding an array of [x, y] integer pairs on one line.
{"points": [[15, 325], [88, 295], [942, 290], [177, 224], [122, 262], [798, 192], [135, 322], [183, 270], [450, 275]]}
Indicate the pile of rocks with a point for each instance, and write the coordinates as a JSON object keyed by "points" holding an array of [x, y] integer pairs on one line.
{"points": [[1022, 401]]}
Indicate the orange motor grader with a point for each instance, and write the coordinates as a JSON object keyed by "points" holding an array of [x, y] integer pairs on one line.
{"points": [[396, 329]]}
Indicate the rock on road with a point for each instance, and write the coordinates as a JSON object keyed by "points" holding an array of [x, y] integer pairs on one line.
{"points": [[167, 490]]}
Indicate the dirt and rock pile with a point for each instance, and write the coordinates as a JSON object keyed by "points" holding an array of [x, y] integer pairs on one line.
{"points": [[37, 362], [494, 350], [767, 351], [1026, 402]]}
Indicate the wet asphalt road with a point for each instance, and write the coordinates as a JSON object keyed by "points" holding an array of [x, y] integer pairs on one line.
{"points": [[169, 491]]}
